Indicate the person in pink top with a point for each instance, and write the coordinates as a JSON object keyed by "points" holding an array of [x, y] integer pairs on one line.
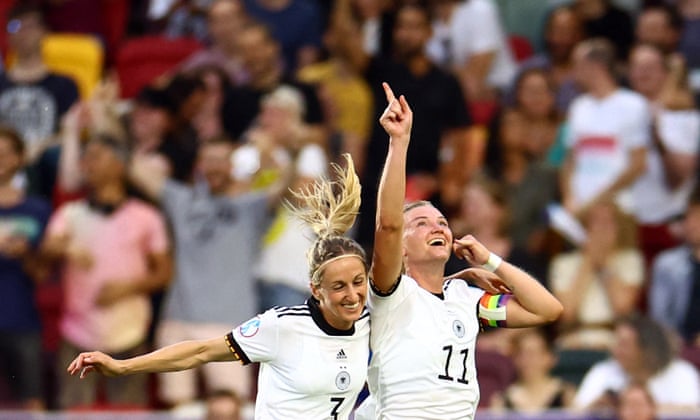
{"points": [[115, 251]]}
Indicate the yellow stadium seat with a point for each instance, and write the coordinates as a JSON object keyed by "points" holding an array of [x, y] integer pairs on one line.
{"points": [[76, 55]]}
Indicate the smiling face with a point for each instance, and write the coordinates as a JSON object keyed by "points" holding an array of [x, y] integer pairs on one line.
{"points": [[342, 292], [427, 236]]}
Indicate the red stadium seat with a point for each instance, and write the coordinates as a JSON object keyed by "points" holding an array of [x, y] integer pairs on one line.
{"points": [[521, 47], [139, 61]]}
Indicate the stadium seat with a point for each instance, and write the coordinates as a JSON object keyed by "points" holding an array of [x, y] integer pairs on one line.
{"points": [[521, 47], [79, 56], [139, 61], [573, 365]]}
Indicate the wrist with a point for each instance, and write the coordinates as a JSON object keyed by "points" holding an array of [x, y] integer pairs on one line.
{"points": [[492, 263]]}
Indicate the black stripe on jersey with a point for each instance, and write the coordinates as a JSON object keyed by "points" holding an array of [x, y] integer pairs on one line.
{"points": [[293, 310], [364, 315], [236, 349], [387, 293]]}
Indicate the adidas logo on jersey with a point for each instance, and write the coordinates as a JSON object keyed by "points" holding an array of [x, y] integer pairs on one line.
{"points": [[341, 355]]}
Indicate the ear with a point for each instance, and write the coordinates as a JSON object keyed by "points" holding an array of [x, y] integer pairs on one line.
{"points": [[314, 291]]}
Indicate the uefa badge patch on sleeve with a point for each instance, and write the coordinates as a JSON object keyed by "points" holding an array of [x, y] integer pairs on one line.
{"points": [[250, 328]]}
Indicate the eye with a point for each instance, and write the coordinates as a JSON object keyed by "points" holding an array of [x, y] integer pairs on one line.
{"points": [[443, 223], [421, 223], [358, 282], [338, 286]]}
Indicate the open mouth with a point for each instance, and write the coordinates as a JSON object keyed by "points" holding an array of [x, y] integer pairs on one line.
{"points": [[437, 242], [351, 307]]}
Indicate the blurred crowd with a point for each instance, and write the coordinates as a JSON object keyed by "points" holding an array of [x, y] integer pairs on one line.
{"points": [[562, 134]]}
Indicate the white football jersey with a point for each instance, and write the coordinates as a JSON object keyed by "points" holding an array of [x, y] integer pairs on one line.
{"points": [[308, 369], [423, 352]]}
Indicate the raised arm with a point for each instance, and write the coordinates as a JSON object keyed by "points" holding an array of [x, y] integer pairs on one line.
{"points": [[180, 356], [533, 304], [387, 259], [148, 175]]}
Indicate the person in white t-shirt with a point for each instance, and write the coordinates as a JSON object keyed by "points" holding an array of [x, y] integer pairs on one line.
{"points": [[468, 37], [313, 356], [424, 328], [643, 354], [609, 132]]}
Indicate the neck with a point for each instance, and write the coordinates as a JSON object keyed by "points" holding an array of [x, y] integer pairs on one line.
{"points": [[29, 67], [428, 275], [419, 64], [605, 87], [9, 195], [535, 381], [110, 193], [274, 4], [267, 80]]}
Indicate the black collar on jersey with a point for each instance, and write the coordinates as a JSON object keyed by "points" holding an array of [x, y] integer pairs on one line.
{"points": [[318, 318], [440, 295]]}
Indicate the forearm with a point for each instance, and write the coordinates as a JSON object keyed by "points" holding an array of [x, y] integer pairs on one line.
{"points": [[69, 177], [180, 356], [571, 298], [392, 187], [530, 293]]}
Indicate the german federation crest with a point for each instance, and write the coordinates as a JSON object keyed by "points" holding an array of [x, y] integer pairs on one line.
{"points": [[342, 381], [458, 328]]}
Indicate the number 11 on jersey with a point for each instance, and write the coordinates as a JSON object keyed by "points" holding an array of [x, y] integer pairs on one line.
{"points": [[446, 376]]}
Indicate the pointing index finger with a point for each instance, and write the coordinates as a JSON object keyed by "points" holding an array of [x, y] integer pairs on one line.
{"points": [[388, 92]]}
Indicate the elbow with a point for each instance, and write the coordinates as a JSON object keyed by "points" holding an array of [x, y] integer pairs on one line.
{"points": [[555, 312]]}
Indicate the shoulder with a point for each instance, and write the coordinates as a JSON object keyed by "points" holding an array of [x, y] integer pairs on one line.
{"points": [[630, 98], [289, 313], [671, 257]]}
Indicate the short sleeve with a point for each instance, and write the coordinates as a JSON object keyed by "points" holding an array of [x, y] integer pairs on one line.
{"points": [[156, 240], [58, 223], [257, 339], [680, 130], [638, 130], [379, 303]]}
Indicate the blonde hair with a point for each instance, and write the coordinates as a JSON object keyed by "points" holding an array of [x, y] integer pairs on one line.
{"points": [[330, 209]]}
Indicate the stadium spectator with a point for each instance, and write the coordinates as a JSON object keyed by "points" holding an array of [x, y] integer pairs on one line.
{"points": [[636, 403], [469, 40], [599, 281], [328, 335], [295, 24], [660, 25], [217, 229], [608, 133], [32, 98], [345, 96], [261, 58], [661, 194], [530, 185], [675, 284], [115, 251], [225, 19], [281, 269], [22, 222], [603, 19], [535, 390], [643, 353], [563, 30]]}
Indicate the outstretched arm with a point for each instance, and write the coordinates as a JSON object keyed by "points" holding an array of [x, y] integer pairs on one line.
{"points": [[180, 356], [533, 304], [386, 263]]}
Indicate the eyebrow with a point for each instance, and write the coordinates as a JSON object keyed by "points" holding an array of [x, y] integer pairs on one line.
{"points": [[425, 217]]}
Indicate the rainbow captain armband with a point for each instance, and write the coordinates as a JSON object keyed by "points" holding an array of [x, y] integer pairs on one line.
{"points": [[492, 310]]}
